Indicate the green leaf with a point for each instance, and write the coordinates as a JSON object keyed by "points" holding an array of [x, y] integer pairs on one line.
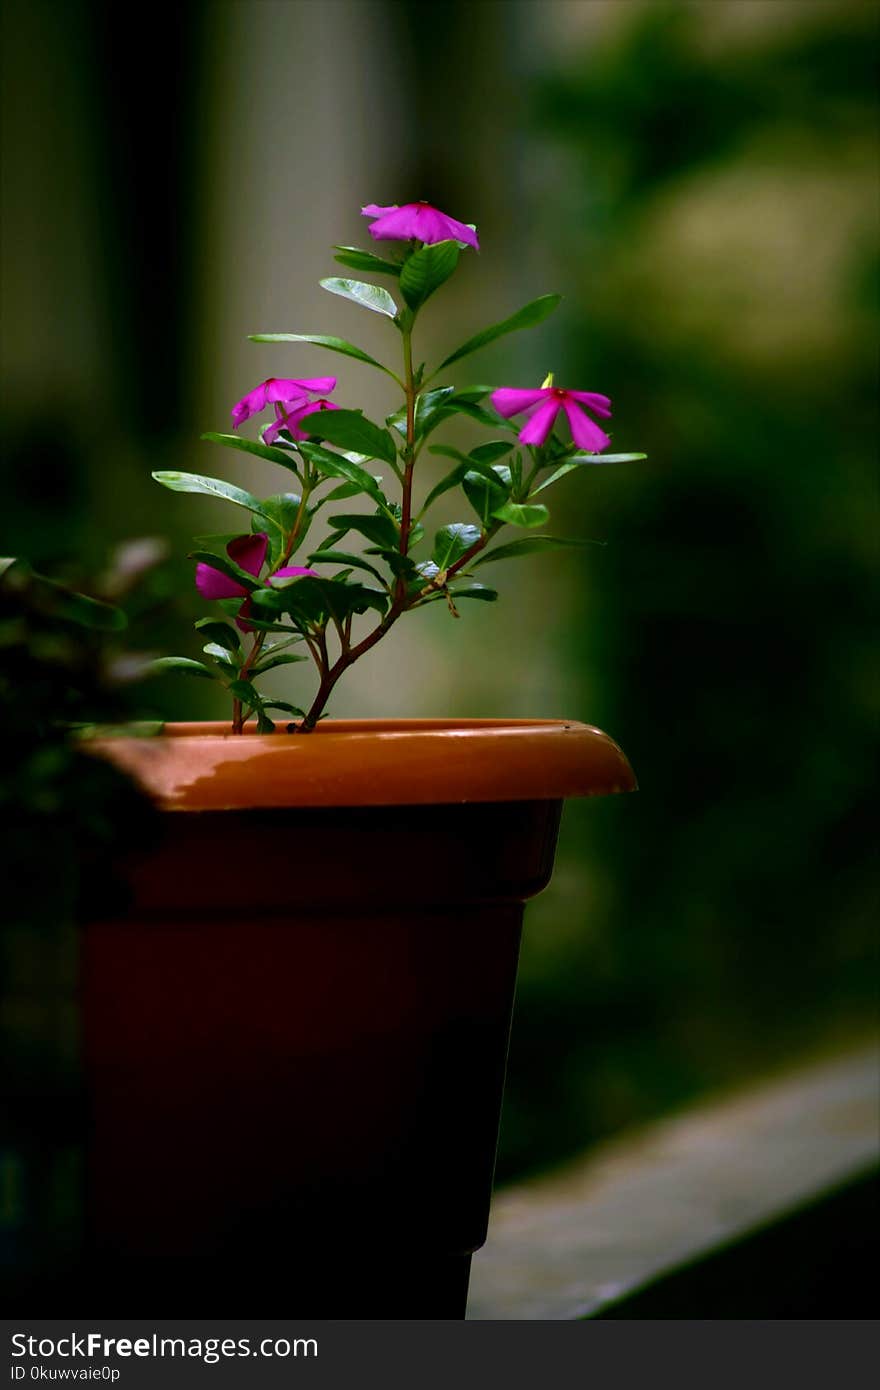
{"points": [[66, 604], [88, 612], [250, 696], [451, 542], [472, 394], [244, 691], [183, 666], [263, 626], [283, 705], [476, 591], [336, 466], [342, 557], [451, 480], [449, 451], [135, 728], [579, 461], [350, 429], [219, 632], [442, 404], [227, 567], [292, 639], [521, 514], [357, 259], [380, 530], [232, 606], [479, 414], [283, 509], [209, 487], [321, 340], [555, 476], [426, 270], [278, 520], [250, 446], [529, 545], [429, 412], [332, 540], [270, 662], [467, 463], [528, 317], [491, 452], [221, 654], [605, 458], [486, 492], [216, 541], [359, 292], [398, 564], [314, 600], [338, 494]]}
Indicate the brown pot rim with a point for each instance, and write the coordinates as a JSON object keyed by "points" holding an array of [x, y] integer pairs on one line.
{"points": [[371, 762]]}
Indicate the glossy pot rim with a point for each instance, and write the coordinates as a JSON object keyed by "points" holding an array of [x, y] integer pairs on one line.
{"points": [[202, 766]]}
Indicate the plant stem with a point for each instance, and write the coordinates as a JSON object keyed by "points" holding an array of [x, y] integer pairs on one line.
{"points": [[237, 713], [297, 525], [259, 640], [409, 453], [399, 604], [331, 676]]}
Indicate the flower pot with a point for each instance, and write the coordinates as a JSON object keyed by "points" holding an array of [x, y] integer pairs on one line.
{"points": [[295, 1035]]}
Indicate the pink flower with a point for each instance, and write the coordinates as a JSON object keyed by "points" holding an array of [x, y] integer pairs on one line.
{"points": [[291, 392], [544, 403], [249, 553], [288, 418], [419, 222]]}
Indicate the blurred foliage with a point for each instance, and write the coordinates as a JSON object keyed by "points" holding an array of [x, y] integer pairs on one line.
{"points": [[730, 914], [65, 819], [64, 664]]}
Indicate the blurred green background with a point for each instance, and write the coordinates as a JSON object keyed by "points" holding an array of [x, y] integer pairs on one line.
{"points": [[700, 181]]}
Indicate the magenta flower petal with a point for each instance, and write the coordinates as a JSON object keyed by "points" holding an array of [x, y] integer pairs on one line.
{"points": [[282, 410], [271, 432], [600, 404], [249, 551], [509, 401], [543, 404], [541, 423], [433, 226], [293, 572], [295, 418], [288, 389], [241, 621], [397, 224], [585, 433], [212, 584], [249, 405], [418, 221]]}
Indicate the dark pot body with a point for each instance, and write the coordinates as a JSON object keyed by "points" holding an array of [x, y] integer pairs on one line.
{"points": [[295, 1043]]}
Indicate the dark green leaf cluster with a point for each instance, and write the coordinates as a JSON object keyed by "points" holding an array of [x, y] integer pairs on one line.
{"points": [[65, 671]]}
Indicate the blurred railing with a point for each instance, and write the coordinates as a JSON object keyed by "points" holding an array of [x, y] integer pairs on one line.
{"points": [[759, 1206]]}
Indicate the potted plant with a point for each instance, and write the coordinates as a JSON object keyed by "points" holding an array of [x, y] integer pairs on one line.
{"points": [[295, 1034]]}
